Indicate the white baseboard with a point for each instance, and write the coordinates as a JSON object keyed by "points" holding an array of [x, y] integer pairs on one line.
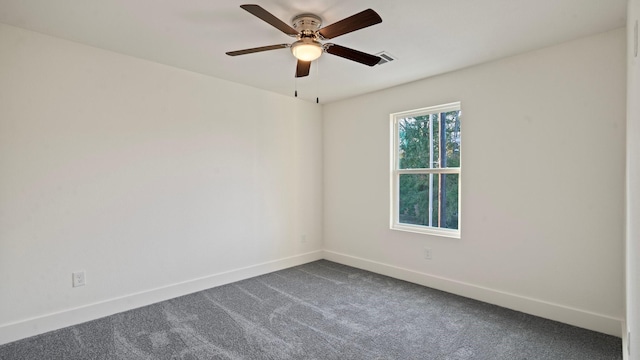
{"points": [[41, 324], [581, 318]]}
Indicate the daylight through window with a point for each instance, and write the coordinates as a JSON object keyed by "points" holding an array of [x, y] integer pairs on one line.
{"points": [[425, 170]]}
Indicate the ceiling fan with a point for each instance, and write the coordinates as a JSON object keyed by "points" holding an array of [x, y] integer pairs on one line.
{"points": [[306, 29]]}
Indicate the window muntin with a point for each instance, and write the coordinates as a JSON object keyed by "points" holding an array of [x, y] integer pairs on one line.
{"points": [[425, 176]]}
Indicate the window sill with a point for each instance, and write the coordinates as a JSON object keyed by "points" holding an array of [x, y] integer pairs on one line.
{"points": [[427, 230]]}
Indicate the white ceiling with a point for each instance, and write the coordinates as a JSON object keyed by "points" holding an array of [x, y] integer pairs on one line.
{"points": [[428, 37]]}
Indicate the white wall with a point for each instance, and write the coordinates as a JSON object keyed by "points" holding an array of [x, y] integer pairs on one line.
{"points": [[154, 180], [633, 182], [543, 158]]}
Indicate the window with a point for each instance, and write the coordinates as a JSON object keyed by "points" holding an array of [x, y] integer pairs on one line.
{"points": [[425, 170]]}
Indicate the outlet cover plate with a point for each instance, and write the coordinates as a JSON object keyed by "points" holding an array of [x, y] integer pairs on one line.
{"points": [[427, 253], [78, 279]]}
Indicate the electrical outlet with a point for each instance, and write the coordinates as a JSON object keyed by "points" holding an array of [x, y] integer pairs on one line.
{"points": [[78, 279], [303, 239], [427, 253]]}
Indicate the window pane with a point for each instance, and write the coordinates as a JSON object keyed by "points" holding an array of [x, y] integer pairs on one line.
{"points": [[419, 141], [450, 202], [451, 133], [413, 142], [420, 200]]}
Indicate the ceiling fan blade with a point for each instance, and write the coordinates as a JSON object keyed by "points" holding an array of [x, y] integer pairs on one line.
{"points": [[351, 54], [352, 23], [302, 69], [267, 17], [258, 49]]}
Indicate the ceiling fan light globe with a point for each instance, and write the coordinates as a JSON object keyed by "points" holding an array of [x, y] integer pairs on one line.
{"points": [[306, 49]]}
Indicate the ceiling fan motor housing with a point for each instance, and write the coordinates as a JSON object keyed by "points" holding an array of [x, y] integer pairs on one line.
{"points": [[307, 24]]}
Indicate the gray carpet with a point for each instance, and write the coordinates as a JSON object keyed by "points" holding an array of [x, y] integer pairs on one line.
{"points": [[320, 310]]}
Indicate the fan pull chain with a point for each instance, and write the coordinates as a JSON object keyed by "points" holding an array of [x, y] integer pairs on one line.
{"points": [[295, 85], [317, 80]]}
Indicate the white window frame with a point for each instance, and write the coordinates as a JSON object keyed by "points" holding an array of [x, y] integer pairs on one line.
{"points": [[395, 223]]}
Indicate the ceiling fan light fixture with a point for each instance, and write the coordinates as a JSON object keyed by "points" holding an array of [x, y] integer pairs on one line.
{"points": [[306, 49]]}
